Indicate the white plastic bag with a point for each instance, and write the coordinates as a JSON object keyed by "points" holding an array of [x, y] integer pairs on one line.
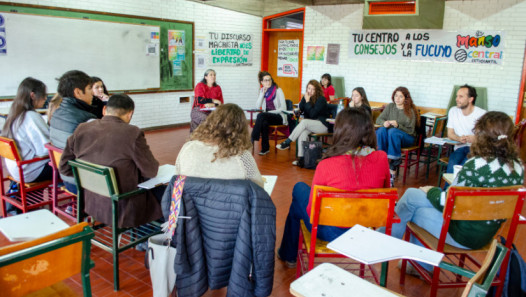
{"points": [[160, 262]]}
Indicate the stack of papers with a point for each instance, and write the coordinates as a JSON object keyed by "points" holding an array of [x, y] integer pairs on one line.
{"points": [[164, 175], [432, 115], [440, 141]]}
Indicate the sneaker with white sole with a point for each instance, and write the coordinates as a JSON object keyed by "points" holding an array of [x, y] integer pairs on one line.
{"points": [[283, 146], [262, 153], [295, 163]]}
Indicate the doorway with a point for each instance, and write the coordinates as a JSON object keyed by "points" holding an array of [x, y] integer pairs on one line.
{"points": [[284, 32]]}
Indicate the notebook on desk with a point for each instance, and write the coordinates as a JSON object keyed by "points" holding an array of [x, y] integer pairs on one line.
{"points": [[164, 174]]}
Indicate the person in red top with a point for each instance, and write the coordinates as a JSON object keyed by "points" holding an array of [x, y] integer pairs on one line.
{"points": [[351, 163], [326, 85], [208, 94]]}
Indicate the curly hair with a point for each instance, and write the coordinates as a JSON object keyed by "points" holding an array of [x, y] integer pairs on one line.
{"points": [[408, 104], [227, 128], [318, 90], [493, 138]]}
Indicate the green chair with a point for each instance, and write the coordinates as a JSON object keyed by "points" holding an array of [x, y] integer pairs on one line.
{"points": [[338, 82], [101, 180], [439, 127], [482, 98], [38, 265]]}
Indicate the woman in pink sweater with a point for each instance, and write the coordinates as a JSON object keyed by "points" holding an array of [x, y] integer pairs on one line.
{"points": [[351, 163]]}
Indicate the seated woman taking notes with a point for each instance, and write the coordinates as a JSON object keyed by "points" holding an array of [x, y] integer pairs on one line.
{"points": [[272, 98], [398, 121], [208, 94], [220, 148], [351, 163]]}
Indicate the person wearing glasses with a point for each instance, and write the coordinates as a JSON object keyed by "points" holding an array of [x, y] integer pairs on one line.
{"points": [[272, 101]]}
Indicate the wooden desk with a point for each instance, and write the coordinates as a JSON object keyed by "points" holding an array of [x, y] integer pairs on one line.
{"points": [[252, 111], [31, 225], [330, 280]]}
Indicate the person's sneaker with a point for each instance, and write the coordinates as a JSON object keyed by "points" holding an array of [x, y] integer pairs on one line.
{"points": [[262, 153], [289, 264], [142, 247], [69, 210], [295, 163], [393, 177], [283, 146]]}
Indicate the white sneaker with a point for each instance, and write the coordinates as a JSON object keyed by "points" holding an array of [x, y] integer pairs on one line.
{"points": [[295, 163]]}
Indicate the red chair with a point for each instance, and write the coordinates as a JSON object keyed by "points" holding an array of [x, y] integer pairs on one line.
{"points": [[335, 207], [29, 195], [64, 202], [468, 204], [411, 155]]}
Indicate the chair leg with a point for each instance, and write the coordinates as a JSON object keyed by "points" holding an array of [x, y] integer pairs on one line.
{"points": [[434, 282], [406, 166], [383, 275], [299, 262]]}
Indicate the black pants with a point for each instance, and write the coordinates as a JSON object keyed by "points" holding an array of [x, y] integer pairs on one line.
{"points": [[264, 120]]}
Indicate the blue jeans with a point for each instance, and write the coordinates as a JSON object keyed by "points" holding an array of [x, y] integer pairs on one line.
{"points": [[415, 207], [392, 140], [298, 211], [458, 157]]}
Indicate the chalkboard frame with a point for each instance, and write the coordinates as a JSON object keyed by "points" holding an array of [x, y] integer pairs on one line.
{"points": [[164, 24]]}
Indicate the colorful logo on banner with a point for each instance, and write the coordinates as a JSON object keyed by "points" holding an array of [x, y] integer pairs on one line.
{"points": [[481, 47], [230, 49], [3, 39]]}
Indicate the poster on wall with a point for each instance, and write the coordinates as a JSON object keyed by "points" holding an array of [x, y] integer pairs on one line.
{"points": [[288, 57], [315, 53], [333, 53], [176, 50], [476, 46], [3, 38], [230, 49]]}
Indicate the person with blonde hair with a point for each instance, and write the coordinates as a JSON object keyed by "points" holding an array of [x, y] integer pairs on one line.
{"points": [[314, 107], [220, 148]]}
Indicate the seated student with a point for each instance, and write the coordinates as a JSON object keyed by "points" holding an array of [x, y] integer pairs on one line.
{"points": [[207, 94], [398, 121], [75, 88], [29, 130], [272, 98], [359, 99], [53, 105], [220, 148], [112, 141], [494, 162], [326, 85], [100, 96], [314, 107], [351, 163]]}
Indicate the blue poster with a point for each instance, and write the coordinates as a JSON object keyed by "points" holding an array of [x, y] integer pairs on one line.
{"points": [[3, 39]]}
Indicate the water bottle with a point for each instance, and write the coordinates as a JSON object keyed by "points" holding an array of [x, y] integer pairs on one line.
{"points": [[340, 107]]}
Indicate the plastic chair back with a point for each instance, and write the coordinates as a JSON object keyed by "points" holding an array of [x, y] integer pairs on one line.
{"points": [[338, 83], [9, 150]]}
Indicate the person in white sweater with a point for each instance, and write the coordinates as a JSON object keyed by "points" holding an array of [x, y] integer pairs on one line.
{"points": [[272, 101], [220, 148], [29, 130]]}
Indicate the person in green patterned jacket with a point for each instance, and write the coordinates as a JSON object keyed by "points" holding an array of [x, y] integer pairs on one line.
{"points": [[494, 162]]}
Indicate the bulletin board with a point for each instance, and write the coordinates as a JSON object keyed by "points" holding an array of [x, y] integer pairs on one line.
{"points": [[130, 53]]}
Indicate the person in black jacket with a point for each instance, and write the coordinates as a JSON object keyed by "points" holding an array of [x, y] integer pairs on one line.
{"points": [[315, 110]]}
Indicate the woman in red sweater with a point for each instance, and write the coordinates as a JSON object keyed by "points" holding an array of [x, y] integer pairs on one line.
{"points": [[208, 94], [351, 163]]}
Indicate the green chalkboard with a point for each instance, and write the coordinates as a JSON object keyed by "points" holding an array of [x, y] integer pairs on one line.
{"points": [[176, 70]]}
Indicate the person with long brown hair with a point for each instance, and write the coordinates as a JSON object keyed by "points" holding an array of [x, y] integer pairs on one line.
{"points": [[351, 163], [398, 120], [220, 148], [313, 105], [359, 99], [29, 130], [494, 162]]}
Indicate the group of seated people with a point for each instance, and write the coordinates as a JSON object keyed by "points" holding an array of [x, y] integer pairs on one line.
{"points": [[220, 145]]}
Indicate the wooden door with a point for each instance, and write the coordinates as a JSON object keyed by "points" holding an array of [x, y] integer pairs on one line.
{"points": [[291, 86]]}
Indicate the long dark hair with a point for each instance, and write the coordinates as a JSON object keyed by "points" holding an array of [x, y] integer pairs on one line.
{"points": [[95, 79], [410, 109], [262, 74], [22, 103], [361, 91], [318, 90], [353, 129], [493, 138], [206, 73]]}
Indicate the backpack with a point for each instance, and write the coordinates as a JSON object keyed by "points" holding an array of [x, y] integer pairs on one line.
{"points": [[515, 281], [312, 151]]}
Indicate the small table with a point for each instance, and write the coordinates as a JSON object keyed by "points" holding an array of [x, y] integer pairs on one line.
{"points": [[252, 111], [31, 225]]}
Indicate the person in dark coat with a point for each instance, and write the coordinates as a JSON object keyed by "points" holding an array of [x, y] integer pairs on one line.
{"points": [[112, 142]]}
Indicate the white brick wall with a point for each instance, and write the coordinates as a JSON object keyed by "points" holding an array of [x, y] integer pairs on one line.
{"points": [[430, 83], [239, 84]]}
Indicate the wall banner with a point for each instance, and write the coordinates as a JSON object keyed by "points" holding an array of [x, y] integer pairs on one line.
{"points": [[3, 38], [480, 47], [288, 57], [230, 49], [176, 51]]}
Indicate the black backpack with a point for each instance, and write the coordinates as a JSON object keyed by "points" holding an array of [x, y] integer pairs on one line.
{"points": [[515, 281]]}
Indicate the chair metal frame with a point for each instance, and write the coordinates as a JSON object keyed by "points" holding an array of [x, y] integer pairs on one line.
{"points": [[29, 195], [429, 151], [327, 203], [112, 238], [491, 204], [59, 194], [17, 259]]}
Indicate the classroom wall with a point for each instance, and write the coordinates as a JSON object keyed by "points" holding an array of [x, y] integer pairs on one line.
{"points": [[239, 84], [430, 83]]}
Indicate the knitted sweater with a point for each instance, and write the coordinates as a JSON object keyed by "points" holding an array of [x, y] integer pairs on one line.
{"points": [[478, 172], [391, 112]]}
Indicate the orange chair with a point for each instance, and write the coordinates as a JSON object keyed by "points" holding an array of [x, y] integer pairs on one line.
{"points": [[62, 199], [468, 204], [335, 207], [29, 195]]}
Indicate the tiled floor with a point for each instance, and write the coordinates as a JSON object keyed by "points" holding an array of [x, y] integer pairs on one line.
{"points": [[165, 144]]}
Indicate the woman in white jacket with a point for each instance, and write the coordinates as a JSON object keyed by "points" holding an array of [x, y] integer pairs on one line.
{"points": [[272, 101]]}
